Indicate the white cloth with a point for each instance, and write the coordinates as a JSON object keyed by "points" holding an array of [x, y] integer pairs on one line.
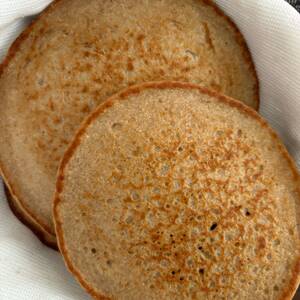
{"points": [[30, 270]]}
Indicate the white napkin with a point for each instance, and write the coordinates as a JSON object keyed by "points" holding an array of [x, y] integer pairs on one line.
{"points": [[30, 270]]}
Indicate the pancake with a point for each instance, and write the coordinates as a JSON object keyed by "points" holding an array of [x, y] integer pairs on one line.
{"points": [[172, 191], [80, 52]]}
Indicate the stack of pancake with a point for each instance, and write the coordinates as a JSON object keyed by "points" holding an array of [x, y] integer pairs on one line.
{"points": [[129, 139]]}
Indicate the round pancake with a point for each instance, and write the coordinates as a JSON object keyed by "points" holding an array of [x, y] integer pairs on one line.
{"points": [[171, 191], [79, 52]]}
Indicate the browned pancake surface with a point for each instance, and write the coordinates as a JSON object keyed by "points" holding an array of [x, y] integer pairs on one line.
{"points": [[170, 191], [79, 52]]}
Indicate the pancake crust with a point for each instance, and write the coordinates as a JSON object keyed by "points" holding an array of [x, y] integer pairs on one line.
{"points": [[172, 191]]}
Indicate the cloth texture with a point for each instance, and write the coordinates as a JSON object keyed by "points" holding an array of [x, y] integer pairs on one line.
{"points": [[30, 270]]}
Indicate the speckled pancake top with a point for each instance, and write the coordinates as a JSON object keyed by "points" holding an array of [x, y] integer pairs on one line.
{"points": [[171, 191]]}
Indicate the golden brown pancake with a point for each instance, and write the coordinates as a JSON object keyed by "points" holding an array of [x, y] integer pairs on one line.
{"points": [[80, 52], [172, 191]]}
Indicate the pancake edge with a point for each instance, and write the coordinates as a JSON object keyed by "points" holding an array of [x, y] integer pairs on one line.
{"points": [[43, 236]]}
